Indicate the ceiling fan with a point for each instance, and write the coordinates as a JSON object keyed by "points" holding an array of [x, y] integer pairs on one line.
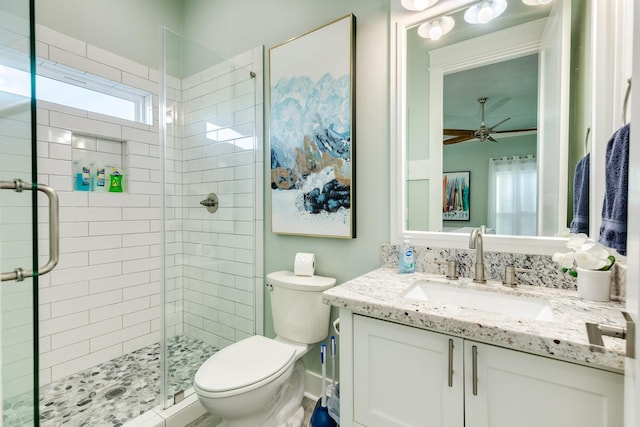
{"points": [[483, 133]]}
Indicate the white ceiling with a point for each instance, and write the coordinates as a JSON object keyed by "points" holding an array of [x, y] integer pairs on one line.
{"points": [[511, 88]]}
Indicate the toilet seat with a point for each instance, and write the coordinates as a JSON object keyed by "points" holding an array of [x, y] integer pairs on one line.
{"points": [[244, 366]]}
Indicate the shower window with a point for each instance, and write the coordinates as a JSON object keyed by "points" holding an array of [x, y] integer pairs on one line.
{"points": [[67, 86]]}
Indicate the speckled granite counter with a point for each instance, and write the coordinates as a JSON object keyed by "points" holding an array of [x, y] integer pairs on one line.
{"points": [[379, 294]]}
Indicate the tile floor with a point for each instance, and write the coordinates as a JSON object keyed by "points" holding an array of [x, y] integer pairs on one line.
{"points": [[113, 392]]}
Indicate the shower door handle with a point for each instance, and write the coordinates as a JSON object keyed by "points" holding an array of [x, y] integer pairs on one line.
{"points": [[19, 274]]}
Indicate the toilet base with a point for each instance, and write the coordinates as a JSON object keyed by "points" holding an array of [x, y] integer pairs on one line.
{"points": [[285, 411]]}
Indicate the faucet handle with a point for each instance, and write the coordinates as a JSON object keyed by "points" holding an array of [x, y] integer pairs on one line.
{"points": [[510, 275], [452, 269]]}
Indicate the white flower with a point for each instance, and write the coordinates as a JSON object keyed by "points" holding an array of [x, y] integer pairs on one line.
{"points": [[576, 241], [586, 254], [565, 260]]}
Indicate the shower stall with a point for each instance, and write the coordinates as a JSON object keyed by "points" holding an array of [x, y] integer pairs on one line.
{"points": [[151, 281]]}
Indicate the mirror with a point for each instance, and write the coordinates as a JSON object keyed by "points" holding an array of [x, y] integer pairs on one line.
{"points": [[520, 63], [486, 80]]}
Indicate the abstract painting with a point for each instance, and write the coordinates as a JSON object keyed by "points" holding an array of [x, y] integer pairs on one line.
{"points": [[455, 196], [312, 132]]}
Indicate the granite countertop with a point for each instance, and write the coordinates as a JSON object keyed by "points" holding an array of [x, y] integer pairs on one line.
{"points": [[379, 294]]}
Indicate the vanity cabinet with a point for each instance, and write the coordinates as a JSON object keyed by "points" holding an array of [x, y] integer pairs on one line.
{"points": [[406, 376]]}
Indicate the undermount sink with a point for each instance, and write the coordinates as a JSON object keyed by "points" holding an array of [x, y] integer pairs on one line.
{"points": [[516, 306]]}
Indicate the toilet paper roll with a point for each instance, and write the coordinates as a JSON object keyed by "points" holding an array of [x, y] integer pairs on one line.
{"points": [[304, 264]]}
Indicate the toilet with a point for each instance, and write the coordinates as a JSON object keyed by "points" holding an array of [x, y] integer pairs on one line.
{"points": [[258, 381]]}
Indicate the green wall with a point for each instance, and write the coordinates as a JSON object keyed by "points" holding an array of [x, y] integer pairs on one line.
{"points": [[580, 91], [128, 28]]}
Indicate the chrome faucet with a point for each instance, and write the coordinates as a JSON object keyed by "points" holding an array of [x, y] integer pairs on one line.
{"points": [[475, 242]]}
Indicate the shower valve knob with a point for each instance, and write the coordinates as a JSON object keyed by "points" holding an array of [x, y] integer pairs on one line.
{"points": [[211, 203]]}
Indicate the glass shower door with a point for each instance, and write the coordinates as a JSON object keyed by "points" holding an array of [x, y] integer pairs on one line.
{"points": [[18, 377], [212, 204]]}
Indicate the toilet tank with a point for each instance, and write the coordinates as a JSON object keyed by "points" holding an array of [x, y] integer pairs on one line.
{"points": [[296, 305]]}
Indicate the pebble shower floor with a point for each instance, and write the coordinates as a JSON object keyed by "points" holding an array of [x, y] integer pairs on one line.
{"points": [[95, 396]]}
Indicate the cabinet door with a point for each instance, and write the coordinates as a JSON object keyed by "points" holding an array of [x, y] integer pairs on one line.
{"points": [[523, 390], [401, 376]]}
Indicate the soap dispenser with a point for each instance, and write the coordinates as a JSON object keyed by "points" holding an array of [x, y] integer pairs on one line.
{"points": [[406, 262]]}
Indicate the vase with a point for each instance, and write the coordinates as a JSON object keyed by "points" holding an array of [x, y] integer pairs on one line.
{"points": [[594, 285]]}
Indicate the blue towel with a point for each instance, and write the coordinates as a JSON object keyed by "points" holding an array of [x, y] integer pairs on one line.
{"points": [[580, 221], [613, 231]]}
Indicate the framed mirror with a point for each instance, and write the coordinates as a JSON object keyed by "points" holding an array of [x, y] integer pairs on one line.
{"points": [[506, 101]]}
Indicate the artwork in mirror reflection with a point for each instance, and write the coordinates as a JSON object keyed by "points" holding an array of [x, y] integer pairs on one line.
{"points": [[455, 201]]}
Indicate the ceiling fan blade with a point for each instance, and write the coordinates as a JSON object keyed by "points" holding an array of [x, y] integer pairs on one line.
{"points": [[498, 124], [457, 132], [492, 139], [457, 139], [517, 130]]}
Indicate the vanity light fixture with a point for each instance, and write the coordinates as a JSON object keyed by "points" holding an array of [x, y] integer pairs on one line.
{"points": [[485, 11], [437, 28], [536, 2], [417, 5]]}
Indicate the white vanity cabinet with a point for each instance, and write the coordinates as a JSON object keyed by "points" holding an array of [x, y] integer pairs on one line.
{"points": [[395, 375], [405, 376], [520, 389]]}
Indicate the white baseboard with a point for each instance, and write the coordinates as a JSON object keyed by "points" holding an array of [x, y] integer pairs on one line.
{"points": [[313, 385]]}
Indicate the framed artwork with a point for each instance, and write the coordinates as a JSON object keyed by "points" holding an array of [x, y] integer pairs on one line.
{"points": [[311, 80], [455, 196]]}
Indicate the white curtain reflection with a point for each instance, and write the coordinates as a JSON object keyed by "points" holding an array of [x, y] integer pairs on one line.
{"points": [[512, 195]]}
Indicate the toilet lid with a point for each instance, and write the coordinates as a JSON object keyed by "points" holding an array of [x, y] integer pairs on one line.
{"points": [[244, 363]]}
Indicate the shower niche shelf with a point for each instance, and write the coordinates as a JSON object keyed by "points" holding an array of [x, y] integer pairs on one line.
{"points": [[99, 164]]}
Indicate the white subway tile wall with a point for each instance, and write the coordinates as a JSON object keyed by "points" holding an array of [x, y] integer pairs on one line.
{"points": [[104, 298], [213, 257]]}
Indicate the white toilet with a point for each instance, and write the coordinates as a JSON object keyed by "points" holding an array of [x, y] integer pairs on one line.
{"points": [[259, 382]]}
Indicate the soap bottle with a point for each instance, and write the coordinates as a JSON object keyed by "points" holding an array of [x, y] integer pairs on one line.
{"points": [[99, 179], [115, 180], [406, 263], [82, 174]]}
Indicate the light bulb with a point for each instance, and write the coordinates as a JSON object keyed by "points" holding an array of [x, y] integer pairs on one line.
{"points": [[485, 14], [435, 32], [417, 5]]}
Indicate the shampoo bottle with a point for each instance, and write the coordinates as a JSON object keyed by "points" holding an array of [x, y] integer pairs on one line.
{"points": [[406, 263]]}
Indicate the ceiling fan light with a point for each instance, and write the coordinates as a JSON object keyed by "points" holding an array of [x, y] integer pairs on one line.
{"points": [[485, 11], [417, 5]]}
